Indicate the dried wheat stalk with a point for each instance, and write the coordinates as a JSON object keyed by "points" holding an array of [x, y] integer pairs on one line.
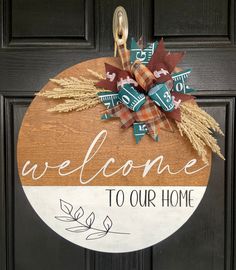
{"points": [[97, 75], [77, 93], [75, 105], [197, 125]]}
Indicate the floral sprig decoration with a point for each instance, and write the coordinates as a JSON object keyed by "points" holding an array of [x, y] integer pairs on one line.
{"points": [[150, 91], [87, 226]]}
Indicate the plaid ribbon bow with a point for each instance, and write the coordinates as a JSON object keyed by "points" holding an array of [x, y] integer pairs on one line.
{"points": [[149, 114], [149, 118]]}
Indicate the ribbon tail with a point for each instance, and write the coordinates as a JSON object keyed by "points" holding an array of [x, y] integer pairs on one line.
{"points": [[153, 130], [164, 123], [172, 59], [124, 54], [158, 56], [140, 130], [175, 115], [181, 96], [110, 83], [125, 115]]}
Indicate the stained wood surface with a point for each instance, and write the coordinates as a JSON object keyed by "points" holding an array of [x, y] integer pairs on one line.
{"points": [[56, 137]]}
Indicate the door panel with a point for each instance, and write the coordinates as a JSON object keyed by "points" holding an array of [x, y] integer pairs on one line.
{"points": [[36, 45], [44, 24], [207, 18]]}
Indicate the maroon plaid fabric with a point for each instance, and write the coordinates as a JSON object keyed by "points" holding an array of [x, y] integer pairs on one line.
{"points": [[124, 55], [143, 75], [126, 115], [149, 114], [159, 122], [152, 128], [164, 123]]}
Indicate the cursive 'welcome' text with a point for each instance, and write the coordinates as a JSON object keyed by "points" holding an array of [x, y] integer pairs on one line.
{"points": [[124, 170]]}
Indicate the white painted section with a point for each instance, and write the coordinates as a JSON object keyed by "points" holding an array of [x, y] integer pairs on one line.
{"points": [[146, 225]]}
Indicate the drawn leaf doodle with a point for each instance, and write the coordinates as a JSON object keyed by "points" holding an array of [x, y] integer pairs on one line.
{"points": [[97, 235], [107, 223], [79, 213], [87, 225], [66, 207], [78, 229], [90, 220], [65, 218]]}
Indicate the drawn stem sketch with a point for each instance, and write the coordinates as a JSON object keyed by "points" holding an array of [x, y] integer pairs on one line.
{"points": [[86, 226]]}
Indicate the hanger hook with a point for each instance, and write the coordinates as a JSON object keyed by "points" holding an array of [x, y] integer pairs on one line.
{"points": [[120, 24]]}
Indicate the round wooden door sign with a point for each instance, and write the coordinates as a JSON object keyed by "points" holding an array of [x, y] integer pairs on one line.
{"points": [[92, 184]]}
